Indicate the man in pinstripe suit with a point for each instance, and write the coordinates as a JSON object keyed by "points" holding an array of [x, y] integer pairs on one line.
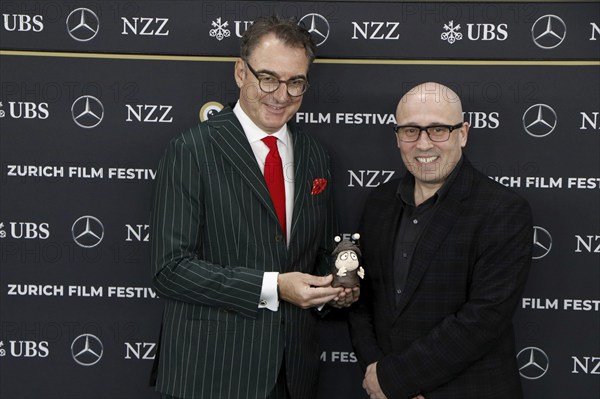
{"points": [[237, 282]]}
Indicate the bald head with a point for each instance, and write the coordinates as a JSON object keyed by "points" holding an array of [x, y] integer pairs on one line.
{"points": [[434, 109], [429, 98]]}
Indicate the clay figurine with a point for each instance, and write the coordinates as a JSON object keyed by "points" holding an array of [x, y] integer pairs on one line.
{"points": [[346, 269]]}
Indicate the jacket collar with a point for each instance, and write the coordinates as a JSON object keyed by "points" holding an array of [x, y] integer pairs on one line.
{"points": [[228, 137], [444, 218]]}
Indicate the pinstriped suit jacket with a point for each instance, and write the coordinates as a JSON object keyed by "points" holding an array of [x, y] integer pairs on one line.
{"points": [[214, 234], [450, 335]]}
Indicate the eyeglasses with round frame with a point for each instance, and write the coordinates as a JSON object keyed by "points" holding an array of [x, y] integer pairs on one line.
{"points": [[268, 83], [436, 133]]}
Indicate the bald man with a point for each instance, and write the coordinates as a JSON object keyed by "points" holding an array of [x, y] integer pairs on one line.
{"points": [[447, 251]]}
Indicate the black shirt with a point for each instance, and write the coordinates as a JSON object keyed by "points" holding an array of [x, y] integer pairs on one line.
{"points": [[413, 222]]}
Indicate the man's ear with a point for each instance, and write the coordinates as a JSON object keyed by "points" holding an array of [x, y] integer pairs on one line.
{"points": [[239, 72], [464, 134]]}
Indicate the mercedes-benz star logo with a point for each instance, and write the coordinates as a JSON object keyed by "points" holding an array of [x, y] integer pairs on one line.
{"points": [[83, 24], [539, 120], [542, 242], [87, 350], [87, 112], [548, 31], [317, 26], [533, 363], [87, 231]]}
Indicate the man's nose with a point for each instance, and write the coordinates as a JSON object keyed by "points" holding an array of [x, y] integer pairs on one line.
{"points": [[424, 141], [281, 93]]}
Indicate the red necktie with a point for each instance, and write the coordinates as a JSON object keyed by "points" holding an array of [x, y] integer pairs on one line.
{"points": [[274, 179]]}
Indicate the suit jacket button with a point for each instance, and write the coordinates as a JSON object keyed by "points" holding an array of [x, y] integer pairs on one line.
{"points": [[278, 238]]}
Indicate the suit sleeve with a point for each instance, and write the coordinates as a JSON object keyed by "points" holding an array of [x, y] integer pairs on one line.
{"points": [[362, 327], [177, 220], [499, 272], [375, 216], [330, 226]]}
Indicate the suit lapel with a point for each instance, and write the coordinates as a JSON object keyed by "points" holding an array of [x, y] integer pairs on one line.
{"points": [[301, 159], [389, 224], [229, 138], [436, 231]]}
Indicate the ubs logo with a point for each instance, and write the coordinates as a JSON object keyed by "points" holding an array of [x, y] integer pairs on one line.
{"points": [[87, 112], [539, 120], [87, 231], [26, 230], [318, 27], [487, 32], [83, 24], [29, 349], [548, 32], [451, 34], [219, 30], [23, 23], [533, 363], [26, 110], [87, 350]]}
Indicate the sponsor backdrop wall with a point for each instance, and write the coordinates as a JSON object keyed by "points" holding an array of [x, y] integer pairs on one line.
{"points": [[91, 92]]}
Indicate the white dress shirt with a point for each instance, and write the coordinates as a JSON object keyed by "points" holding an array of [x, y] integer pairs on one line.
{"points": [[268, 296]]}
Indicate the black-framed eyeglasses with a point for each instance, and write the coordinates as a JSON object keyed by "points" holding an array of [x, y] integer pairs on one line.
{"points": [[436, 133], [269, 83]]}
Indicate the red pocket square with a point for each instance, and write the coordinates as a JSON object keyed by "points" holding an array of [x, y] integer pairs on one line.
{"points": [[318, 186]]}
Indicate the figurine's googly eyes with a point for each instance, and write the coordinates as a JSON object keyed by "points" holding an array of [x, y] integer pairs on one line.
{"points": [[353, 256], [344, 256]]}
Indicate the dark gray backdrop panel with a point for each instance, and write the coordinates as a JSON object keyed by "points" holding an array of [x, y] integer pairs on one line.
{"points": [[105, 290]]}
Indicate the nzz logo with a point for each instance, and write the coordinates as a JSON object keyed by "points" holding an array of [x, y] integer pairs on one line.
{"points": [[140, 350], [376, 30], [138, 233], [589, 243], [589, 365], [145, 26], [369, 178], [152, 113]]}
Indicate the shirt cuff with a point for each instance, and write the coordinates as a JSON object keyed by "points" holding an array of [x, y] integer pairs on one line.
{"points": [[268, 294]]}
